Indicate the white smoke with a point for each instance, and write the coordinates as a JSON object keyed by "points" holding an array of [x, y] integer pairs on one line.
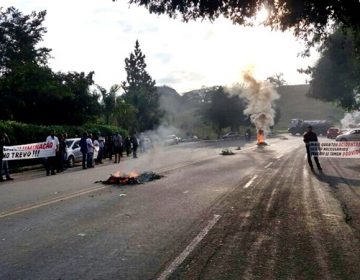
{"points": [[260, 97], [351, 120]]}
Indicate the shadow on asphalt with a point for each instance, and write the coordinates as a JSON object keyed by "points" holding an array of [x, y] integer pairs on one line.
{"points": [[335, 181]]}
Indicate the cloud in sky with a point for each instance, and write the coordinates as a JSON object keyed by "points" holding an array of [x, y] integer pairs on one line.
{"points": [[97, 35]]}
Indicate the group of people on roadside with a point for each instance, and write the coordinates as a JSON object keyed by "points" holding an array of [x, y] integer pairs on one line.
{"points": [[107, 147], [87, 147], [57, 162]]}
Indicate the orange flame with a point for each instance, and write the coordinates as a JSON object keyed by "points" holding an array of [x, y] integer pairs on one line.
{"points": [[260, 137], [124, 179], [133, 174], [117, 174]]}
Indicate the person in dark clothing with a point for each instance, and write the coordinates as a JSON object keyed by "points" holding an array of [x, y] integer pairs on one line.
{"points": [[4, 141], [135, 144], [83, 149], [311, 136], [127, 145], [117, 142], [248, 135], [109, 147], [62, 153]]}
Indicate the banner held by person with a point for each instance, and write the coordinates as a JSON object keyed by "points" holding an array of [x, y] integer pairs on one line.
{"points": [[29, 151], [343, 149]]}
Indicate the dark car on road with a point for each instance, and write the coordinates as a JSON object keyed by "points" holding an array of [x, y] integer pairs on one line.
{"points": [[333, 132]]}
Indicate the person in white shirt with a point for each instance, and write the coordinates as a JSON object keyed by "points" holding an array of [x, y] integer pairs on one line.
{"points": [[51, 161], [101, 149], [90, 151]]}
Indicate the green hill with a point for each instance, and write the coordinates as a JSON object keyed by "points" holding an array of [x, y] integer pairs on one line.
{"points": [[294, 103]]}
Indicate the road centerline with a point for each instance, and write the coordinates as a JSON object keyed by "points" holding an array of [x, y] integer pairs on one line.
{"points": [[48, 202]]}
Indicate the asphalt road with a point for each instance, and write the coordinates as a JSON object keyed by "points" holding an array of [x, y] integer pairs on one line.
{"points": [[258, 214]]}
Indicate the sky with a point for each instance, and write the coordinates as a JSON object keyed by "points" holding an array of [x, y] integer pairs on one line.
{"points": [[97, 35]]}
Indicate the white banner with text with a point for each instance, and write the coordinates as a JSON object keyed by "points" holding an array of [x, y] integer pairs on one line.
{"points": [[342, 149], [29, 151]]}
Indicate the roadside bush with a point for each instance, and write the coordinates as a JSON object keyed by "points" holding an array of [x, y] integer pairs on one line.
{"points": [[21, 133]]}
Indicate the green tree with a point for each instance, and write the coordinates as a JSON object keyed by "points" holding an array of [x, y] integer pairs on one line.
{"points": [[336, 75], [31, 93], [140, 91], [108, 102], [308, 19], [277, 80], [29, 90], [19, 38], [225, 111], [80, 105], [125, 114]]}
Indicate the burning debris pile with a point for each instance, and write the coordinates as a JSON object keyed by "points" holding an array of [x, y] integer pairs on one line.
{"points": [[260, 97], [260, 138], [131, 179]]}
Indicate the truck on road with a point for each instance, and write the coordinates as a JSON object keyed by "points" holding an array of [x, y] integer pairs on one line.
{"points": [[299, 126]]}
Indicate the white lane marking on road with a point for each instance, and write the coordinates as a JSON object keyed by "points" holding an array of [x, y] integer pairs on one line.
{"points": [[268, 165], [270, 200], [175, 264], [250, 182], [185, 191]]}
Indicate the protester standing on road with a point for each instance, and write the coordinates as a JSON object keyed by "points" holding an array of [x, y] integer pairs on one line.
{"points": [[127, 145], [248, 135], [100, 155], [109, 147], [90, 151], [4, 166], [311, 136], [117, 142], [51, 161], [135, 144], [83, 149], [62, 153]]}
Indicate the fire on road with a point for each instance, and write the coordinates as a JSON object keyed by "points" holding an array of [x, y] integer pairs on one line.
{"points": [[260, 214]]}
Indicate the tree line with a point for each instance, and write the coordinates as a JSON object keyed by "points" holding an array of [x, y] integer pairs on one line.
{"points": [[31, 92]]}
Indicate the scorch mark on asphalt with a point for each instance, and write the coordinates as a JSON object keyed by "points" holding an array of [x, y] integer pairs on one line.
{"points": [[175, 264]]}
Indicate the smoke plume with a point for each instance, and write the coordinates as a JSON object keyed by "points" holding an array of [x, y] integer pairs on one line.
{"points": [[351, 120], [260, 97]]}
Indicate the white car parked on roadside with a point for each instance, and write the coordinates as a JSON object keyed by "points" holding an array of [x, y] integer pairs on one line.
{"points": [[73, 153], [351, 135]]}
